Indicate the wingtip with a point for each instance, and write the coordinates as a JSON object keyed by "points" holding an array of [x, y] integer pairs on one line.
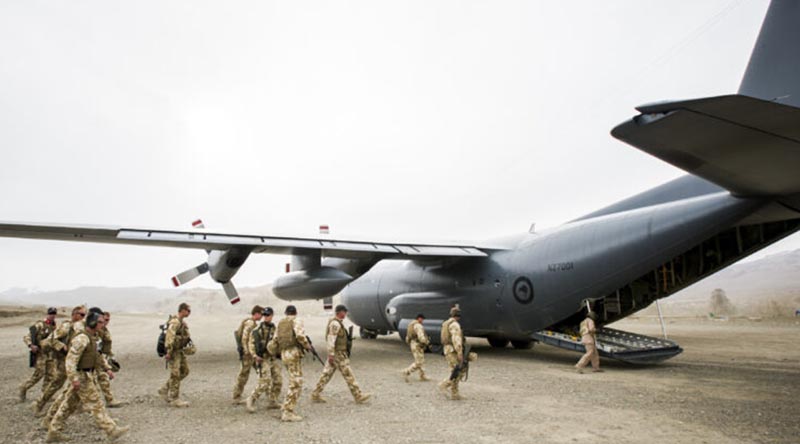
{"points": [[175, 281]]}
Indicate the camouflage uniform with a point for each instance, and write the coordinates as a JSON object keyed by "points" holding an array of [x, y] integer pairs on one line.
{"points": [[103, 380], [588, 331], [58, 342], [417, 341], [270, 379], [176, 341], [290, 341], [453, 341], [336, 338], [83, 362], [61, 340], [43, 329], [247, 361]]}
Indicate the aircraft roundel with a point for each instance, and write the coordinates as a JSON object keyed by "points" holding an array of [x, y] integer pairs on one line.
{"points": [[523, 290]]}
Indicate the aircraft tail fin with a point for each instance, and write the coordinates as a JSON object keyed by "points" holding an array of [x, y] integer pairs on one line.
{"points": [[774, 69]]}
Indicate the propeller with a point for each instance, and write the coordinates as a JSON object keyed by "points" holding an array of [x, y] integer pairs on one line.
{"points": [[226, 264]]}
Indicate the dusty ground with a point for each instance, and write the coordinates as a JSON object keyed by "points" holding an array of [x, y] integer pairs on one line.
{"points": [[736, 382]]}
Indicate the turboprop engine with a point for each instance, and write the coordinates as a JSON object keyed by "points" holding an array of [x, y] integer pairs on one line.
{"points": [[309, 277], [221, 265]]}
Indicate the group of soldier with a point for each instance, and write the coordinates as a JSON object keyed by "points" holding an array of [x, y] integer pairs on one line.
{"points": [[77, 352]]}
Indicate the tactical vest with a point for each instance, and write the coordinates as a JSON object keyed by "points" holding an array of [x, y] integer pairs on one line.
{"points": [[341, 337], [181, 335], [261, 337], [90, 356], [73, 331], [43, 330], [446, 339], [286, 337], [240, 330], [411, 332]]}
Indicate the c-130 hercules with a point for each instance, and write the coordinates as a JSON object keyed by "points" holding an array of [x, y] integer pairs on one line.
{"points": [[743, 193]]}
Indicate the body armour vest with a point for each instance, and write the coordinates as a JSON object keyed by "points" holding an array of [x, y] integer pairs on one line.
{"points": [[90, 355], [446, 339], [341, 337], [286, 336]]}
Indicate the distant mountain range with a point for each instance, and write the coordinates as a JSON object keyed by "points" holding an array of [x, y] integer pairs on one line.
{"points": [[773, 280]]}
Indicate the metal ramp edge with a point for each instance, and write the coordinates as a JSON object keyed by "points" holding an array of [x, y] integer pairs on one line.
{"points": [[623, 346]]}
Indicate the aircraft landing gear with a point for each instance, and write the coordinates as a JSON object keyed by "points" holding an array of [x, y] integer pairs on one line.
{"points": [[522, 345], [367, 334], [497, 342]]}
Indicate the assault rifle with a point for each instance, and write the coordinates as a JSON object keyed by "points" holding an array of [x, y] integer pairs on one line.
{"points": [[349, 340], [461, 370], [34, 341], [314, 351]]}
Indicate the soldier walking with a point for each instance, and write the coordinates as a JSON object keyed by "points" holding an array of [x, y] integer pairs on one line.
{"points": [[337, 340], [36, 341], [269, 368], [589, 339], [290, 343], [242, 335], [102, 377], [83, 362], [59, 343], [178, 344], [453, 341], [418, 341]]}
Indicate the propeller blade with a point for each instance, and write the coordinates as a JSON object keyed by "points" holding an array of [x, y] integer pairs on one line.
{"points": [[198, 224], [327, 304], [230, 292], [188, 275]]}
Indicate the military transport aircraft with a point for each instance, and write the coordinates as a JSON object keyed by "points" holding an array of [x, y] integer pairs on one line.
{"points": [[743, 193]]}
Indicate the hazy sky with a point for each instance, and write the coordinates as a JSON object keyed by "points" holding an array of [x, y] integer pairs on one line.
{"points": [[405, 119]]}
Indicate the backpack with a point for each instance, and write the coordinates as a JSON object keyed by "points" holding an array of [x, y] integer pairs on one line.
{"points": [[161, 344]]}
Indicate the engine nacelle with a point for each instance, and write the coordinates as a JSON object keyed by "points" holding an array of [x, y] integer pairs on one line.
{"points": [[223, 265], [317, 283]]}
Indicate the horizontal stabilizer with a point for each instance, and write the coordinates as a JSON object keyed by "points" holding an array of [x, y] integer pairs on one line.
{"points": [[748, 146]]}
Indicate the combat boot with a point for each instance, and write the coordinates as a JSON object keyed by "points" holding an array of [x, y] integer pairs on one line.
{"points": [[53, 436], [422, 377], [179, 403], [238, 401], [23, 394], [363, 397], [457, 397], [273, 405], [597, 370], [249, 405], [114, 404], [162, 392], [443, 386], [291, 417], [405, 375], [118, 432], [316, 397]]}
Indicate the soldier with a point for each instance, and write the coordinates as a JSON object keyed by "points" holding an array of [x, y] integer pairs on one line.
{"points": [[102, 377], [82, 363], [453, 341], [290, 343], [270, 379], [338, 358], [418, 341], [588, 332], [242, 335], [36, 340], [62, 346], [58, 342], [178, 344]]}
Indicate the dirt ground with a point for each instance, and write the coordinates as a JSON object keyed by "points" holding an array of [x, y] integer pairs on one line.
{"points": [[736, 382]]}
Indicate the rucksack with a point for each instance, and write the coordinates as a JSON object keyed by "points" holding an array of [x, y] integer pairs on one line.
{"points": [[161, 344]]}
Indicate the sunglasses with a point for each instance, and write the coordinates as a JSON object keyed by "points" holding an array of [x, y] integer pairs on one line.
{"points": [[83, 315]]}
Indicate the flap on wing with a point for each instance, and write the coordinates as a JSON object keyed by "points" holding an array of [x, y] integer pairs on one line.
{"points": [[748, 146], [223, 241]]}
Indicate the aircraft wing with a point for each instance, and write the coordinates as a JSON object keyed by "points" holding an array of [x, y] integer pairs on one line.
{"points": [[746, 145], [223, 241]]}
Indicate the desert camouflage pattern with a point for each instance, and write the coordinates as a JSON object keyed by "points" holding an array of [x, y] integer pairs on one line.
{"points": [[417, 346], [103, 380], [177, 338], [269, 381], [58, 351], [247, 359], [588, 331], [43, 331], [292, 359], [340, 361], [451, 354], [86, 396]]}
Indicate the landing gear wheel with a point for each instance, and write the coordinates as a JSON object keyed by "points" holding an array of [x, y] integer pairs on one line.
{"points": [[498, 342], [522, 345], [367, 334]]}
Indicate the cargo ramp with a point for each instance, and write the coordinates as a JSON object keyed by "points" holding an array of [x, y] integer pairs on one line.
{"points": [[616, 344]]}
